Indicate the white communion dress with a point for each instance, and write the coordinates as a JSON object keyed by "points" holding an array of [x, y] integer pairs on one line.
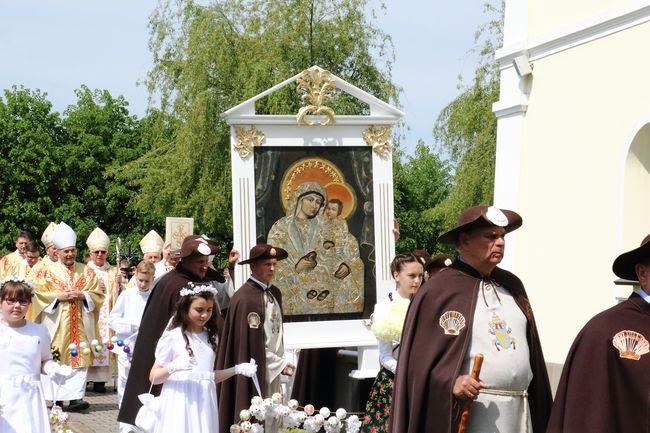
{"points": [[22, 404], [188, 400]]}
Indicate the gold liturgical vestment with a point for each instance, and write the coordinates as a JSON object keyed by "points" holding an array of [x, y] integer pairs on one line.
{"points": [[68, 322]]}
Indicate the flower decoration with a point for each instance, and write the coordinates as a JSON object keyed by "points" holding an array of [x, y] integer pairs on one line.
{"points": [[388, 319], [293, 418], [192, 289], [59, 420], [18, 279]]}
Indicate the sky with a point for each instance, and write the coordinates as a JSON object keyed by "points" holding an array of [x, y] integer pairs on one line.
{"points": [[58, 45]]}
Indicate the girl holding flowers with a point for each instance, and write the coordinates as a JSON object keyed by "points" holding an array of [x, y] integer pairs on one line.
{"points": [[387, 321], [25, 349]]}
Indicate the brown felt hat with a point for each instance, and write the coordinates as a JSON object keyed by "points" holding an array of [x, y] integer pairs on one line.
{"points": [[264, 252], [196, 246], [624, 264], [423, 256], [439, 261], [482, 216]]}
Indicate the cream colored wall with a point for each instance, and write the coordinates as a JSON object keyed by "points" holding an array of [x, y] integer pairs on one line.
{"points": [[585, 108], [552, 15]]}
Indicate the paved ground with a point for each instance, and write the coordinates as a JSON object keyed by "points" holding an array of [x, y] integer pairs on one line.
{"points": [[100, 417]]}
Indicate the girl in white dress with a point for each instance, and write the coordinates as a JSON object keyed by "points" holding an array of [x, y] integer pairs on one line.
{"points": [[25, 349], [185, 363]]}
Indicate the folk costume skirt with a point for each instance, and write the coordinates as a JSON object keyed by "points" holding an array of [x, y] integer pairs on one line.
{"points": [[379, 402]]}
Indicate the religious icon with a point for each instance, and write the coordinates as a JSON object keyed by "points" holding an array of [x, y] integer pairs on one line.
{"points": [[324, 273]]}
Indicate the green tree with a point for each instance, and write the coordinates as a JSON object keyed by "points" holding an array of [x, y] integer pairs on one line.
{"points": [[421, 183], [210, 58], [466, 128], [30, 150], [102, 138]]}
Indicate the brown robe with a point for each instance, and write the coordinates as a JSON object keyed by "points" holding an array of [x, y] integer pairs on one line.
{"points": [[429, 360], [160, 307], [599, 391], [239, 342]]}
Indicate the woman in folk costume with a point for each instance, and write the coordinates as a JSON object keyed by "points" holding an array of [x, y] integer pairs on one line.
{"points": [[387, 321], [25, 348], [185, 364], [66, 301], [100, 371]]}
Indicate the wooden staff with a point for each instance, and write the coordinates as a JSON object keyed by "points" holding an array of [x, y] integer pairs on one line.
{"points": [[464, 413]]}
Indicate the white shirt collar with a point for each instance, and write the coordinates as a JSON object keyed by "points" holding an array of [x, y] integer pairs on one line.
{"points": [[643, 294], [264, 285]]}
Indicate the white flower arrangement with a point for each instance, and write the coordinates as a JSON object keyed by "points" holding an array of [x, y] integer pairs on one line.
{"points": [[292, 417], [193, 289], [388, 319], [19, 279], [59, 420]]}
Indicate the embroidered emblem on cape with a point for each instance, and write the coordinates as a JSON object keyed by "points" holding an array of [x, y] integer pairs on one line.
{"points": [[254, 320], [452, 322], [630, 344], [501, 331]]}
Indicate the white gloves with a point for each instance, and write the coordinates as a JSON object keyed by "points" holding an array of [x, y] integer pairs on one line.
{"points": [[179, 364], [57, 373], [248, 369]]}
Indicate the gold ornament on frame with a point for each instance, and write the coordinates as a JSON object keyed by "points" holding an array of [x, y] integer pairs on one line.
{"points": [[379, 139], [315, 86], [247, 140]]}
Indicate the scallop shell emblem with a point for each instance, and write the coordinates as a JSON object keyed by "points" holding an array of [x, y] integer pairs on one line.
{"points": [[452, 322], [630, 344]]}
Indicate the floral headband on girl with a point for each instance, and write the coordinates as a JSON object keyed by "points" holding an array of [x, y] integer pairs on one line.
{"points": [[18, 279], [193, 289]]}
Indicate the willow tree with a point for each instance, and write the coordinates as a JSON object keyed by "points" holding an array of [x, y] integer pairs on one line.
{"points": [[208, 58], [466, 128]]}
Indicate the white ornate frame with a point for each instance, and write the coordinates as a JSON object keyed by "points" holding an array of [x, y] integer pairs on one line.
{"points": [[316, 125]]}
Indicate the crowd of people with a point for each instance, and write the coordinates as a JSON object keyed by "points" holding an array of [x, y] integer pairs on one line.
{"points": [[190, 351]]}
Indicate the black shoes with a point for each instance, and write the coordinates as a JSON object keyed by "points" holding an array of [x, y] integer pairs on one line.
{"points": [[99, 387], [78, 405]]}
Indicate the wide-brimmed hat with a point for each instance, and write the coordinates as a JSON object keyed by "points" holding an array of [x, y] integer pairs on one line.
{"points": [[264, 252], [482, 216], [624, 264], [438, 262], [198, 245]]}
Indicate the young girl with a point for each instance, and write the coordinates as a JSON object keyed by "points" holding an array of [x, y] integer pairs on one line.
{"points": [[387, 322], [185, 363], [25, 349], [125, 318]]}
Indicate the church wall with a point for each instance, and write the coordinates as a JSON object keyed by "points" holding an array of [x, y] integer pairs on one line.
{"points": [[551, 15], [585, 106]]}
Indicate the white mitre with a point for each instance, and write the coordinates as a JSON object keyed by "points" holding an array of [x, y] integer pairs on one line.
{"points": [[64, 236], [151, 243], [48, 235], [98, 240]]}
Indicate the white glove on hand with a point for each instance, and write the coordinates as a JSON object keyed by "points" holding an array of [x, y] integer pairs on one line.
{"points": [[58, 373], [179, 364], [248, 369]]}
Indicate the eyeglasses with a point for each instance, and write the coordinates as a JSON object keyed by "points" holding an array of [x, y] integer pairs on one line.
{"points": [[21, 302], [99, 252]]}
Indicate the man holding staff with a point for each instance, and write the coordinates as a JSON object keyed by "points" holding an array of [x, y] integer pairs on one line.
{"points": [[473, 307]]}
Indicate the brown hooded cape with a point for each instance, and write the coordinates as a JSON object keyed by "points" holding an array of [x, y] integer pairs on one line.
{"points": [[160, 307], [429, 360], [239, 342], [600, 392]]}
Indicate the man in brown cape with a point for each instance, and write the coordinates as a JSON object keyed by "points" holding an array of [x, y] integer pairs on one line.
{"points": [[605, 384], [472, 307], [253, 329], [194, 265]]}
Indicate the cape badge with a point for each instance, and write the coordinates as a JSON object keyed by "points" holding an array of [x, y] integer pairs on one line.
{"points": [[452, 322], [630, 344], [254, 320], [501, 331]]}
